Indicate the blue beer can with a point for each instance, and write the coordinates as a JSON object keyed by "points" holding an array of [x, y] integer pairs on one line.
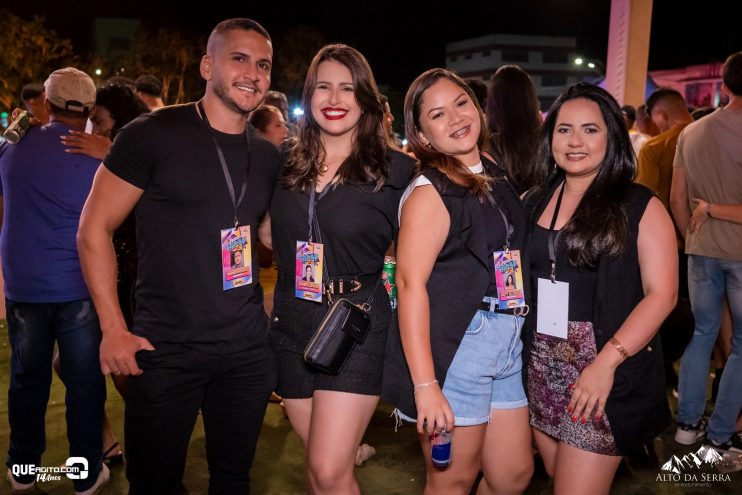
{"points": [[441, 448]]}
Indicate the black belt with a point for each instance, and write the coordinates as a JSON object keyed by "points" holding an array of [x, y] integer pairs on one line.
{"points": [[343, 284], [348, 284], [485, 306]]}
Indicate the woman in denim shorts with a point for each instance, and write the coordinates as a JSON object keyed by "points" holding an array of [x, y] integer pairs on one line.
{"points": [[454, 356]]}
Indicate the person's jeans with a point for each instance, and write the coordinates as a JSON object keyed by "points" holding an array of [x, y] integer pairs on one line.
{"points": [[162, 404], [32, 330], [708, 279]]}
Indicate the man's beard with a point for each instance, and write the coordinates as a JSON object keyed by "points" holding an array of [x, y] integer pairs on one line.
{"points": [[222, 93]]}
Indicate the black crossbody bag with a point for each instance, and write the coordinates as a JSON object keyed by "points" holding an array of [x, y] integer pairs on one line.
{"points": [[344, 326]]}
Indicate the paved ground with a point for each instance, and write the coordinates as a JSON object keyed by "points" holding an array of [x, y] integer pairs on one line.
{"points": [[396, 468]]}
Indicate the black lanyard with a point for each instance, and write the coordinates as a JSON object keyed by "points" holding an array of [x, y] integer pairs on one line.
{"points": [[508, 227], [313, 200], [227, 176], [554, 238]]}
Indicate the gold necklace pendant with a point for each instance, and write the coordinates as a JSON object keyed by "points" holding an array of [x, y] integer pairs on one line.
{"points": [[323, 168]]}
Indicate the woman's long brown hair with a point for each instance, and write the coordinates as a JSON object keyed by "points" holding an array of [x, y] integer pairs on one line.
{"points": [[367, 160]]}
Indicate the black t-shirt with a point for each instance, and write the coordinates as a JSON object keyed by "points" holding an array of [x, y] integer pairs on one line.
{"points": [[357, 224], [170, 154]]}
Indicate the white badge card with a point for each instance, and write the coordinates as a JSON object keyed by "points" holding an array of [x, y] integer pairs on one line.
{"points": [[553, 308], [236, 257], [509, 279], [309, 271]]}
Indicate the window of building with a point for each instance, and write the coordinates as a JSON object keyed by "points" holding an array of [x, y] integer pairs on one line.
{"points": [[118, 44], [515, 56], [555, 57], [549, 80]]}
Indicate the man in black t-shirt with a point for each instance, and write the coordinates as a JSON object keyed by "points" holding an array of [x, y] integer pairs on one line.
{"points": [[199, 341]]}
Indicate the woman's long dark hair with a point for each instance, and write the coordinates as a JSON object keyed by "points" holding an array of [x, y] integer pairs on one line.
{"points": [[514, 122], [599, 224], [429, 157], [367, 160], [121, 102]]}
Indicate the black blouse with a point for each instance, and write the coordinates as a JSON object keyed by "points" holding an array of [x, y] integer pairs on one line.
{"points": [[357, 224], [583, 281]]}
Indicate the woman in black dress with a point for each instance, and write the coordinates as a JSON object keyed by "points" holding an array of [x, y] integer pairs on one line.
{"points": [[357, 180]]}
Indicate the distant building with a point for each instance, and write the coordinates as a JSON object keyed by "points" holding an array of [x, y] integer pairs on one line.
{"points": [[113, 37], [549, 60], [699, 84]]}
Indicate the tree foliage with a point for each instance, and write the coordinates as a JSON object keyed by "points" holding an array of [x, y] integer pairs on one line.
{"points": [[293, 51], [173, 58], [29, 52]]}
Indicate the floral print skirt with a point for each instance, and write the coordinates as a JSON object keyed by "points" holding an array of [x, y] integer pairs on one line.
{"points": [[555, 364]]}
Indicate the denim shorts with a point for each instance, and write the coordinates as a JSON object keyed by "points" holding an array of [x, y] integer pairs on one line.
{"points": [[485, 372]]}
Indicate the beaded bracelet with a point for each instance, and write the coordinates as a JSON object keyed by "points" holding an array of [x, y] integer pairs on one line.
{"points": [[619, 347], [423, 385]]}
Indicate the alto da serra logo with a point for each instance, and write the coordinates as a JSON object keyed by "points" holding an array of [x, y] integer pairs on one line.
{"points": [[692, 469], [692, 461]]}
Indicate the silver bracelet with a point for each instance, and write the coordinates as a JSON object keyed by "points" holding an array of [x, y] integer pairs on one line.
{"points": [[423, 385]]}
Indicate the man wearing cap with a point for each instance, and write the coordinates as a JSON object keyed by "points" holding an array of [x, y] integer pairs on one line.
{"points": [[200, 181], [43, 191]]}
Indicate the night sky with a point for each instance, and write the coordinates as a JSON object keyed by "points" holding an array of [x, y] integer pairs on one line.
{"points": [[402, 39]]}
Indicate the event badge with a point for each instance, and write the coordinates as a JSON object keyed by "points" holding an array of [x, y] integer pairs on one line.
{"points": [[309, 261], [236, 257], [509, 279], [553, 308]]}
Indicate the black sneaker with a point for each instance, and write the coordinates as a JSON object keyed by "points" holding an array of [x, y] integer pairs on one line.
{"points": [[687, 434], [733, 445]]}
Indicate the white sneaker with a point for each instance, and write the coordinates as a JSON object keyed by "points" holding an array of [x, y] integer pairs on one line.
{"points": [[17, 488], [103, 476], [687, 434], [363, 453]]}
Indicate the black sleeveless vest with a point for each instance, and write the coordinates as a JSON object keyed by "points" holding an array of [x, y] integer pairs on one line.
{"points": [[637, 406], [458, 282]]}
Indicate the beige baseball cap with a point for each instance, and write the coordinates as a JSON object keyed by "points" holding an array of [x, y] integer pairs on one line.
{"points": [[70, 89]]}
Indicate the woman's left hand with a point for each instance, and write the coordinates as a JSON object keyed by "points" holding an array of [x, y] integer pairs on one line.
{"points": [[699, 215], [590, 391], [86, 144]]}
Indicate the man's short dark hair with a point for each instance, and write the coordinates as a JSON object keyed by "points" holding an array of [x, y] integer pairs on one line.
{"points": [[732, 75], [31, 90], [149, 84], [629, 112], [662, 94], [276, 96], [241, 24]]}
